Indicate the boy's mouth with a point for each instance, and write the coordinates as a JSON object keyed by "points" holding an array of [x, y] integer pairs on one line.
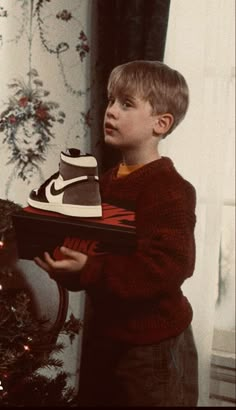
{"points": [[109, 126]]}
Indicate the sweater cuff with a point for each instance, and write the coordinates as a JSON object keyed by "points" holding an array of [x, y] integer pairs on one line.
{"points": [[91, 271], [84, 278]]}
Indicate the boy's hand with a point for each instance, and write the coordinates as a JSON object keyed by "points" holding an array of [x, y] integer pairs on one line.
{"points": [[74, 261]]}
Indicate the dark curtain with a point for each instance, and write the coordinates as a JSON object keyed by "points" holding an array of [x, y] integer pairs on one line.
{"points": [[122, 30]]}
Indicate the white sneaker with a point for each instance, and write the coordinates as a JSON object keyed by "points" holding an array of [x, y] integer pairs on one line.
{"points": [[74, 190]]}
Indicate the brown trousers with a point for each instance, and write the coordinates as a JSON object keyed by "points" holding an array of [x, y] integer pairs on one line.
{"points": [[163, 374]]}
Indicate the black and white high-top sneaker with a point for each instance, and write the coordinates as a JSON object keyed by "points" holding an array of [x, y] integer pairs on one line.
{"points": [[74, 190]]}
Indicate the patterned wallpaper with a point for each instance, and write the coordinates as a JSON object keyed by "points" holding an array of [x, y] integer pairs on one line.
{"points": [[45, 89], [44, 108]]}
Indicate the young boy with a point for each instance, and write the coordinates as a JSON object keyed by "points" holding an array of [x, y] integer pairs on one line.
{"points": [[140, 349]]}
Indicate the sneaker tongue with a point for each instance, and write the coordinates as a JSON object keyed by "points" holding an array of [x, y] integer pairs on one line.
{"points": [[73, 152]]}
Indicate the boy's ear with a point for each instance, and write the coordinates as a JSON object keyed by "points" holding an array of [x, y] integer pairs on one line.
{"points": [[163, 123]]}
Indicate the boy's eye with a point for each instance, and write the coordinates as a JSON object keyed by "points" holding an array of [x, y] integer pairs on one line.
{"points": [[127, 103]]}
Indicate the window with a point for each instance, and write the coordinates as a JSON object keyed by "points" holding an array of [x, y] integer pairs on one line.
{"points": [[224, 334], [222, 383]]}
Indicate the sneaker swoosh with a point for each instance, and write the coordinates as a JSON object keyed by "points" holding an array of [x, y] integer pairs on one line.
{"points": [[64, 184]]}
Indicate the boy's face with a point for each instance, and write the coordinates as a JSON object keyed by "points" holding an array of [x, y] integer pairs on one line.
{"points": [[129, 122]]}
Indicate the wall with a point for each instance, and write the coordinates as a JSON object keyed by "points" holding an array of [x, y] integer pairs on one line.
{"points": [[45, 87], [44, 104]]}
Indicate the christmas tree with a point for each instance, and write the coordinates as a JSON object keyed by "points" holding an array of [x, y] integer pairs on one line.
{"points": [[26, 350]]}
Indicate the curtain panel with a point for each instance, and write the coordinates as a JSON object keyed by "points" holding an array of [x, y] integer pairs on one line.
{"points": [[121, 31]]}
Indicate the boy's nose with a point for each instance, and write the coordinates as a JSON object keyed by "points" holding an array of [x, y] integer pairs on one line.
{"points": [[112, 110]]}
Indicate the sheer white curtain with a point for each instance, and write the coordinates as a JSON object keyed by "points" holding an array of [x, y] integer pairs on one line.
{"points": [[200, 44]]}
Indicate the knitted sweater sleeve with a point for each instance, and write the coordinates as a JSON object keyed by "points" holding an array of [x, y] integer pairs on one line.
{"points": [[165, 253]]}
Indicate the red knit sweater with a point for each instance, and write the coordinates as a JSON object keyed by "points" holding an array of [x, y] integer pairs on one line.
{"points": [[137, 296]]}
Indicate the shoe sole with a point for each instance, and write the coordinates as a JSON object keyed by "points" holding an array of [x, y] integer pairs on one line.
{"points": [[69, 210]]}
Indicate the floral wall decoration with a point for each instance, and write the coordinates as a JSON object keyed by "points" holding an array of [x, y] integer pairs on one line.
{"points": [[27, 123], [45, 105], [45, 89]]}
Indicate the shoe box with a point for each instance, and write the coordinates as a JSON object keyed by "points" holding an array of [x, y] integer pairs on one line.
{"points": [[38, 231]]}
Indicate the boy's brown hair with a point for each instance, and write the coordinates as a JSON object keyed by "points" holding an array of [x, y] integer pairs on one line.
{"points": [[165, 88]]}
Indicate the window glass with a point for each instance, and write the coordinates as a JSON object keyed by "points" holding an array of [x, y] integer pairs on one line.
{"points": [[224, 335]]}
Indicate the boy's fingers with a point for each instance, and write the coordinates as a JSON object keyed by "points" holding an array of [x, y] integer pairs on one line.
{"points": [[41, 263], [61, 265], [48, 259], [69, 252], [73, 263], [46, 264]]}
